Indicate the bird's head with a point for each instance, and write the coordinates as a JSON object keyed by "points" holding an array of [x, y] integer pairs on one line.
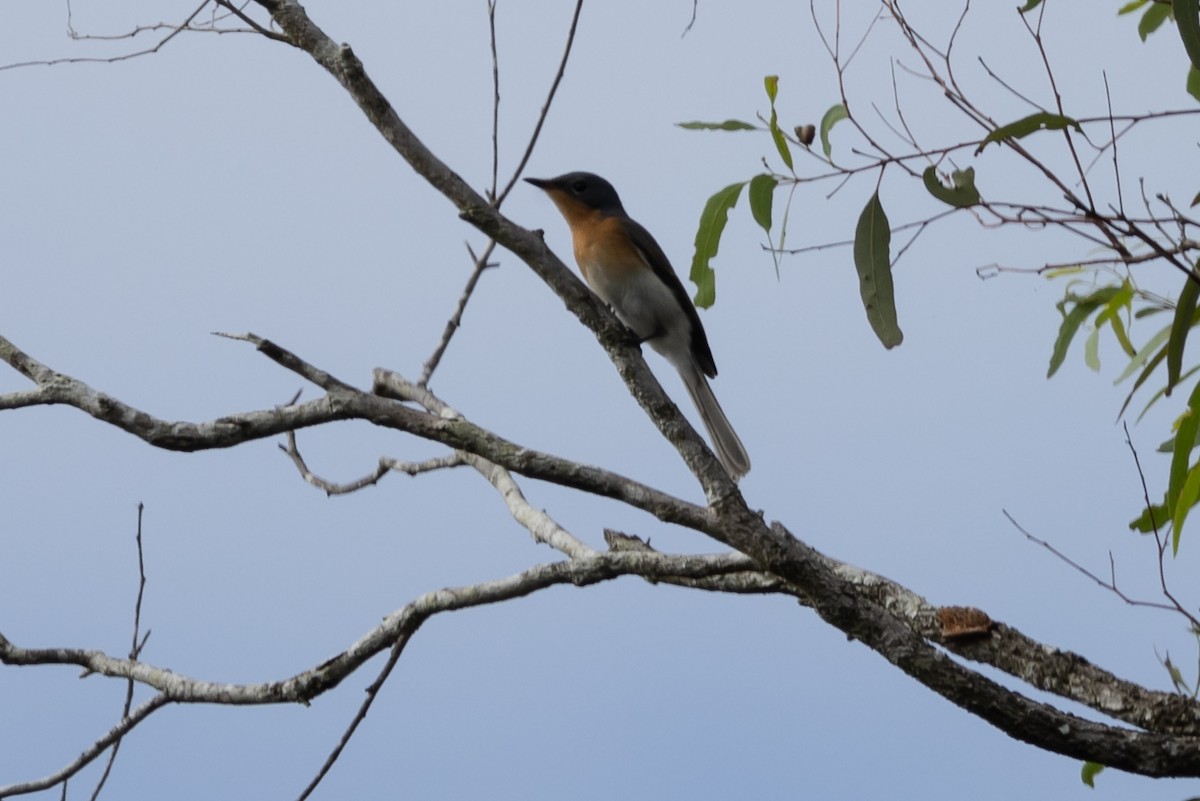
{"points": [[579, 193]]}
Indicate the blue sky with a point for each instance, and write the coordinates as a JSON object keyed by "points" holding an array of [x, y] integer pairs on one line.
{"points": [[228, 184]]}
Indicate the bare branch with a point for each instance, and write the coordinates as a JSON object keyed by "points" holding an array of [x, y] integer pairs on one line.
{"points": [[136, 645], [359, 716], [537, 129], [1110, 585], [386, 465], [304, 686], [89, 755], [159, 45], [481, 263]]}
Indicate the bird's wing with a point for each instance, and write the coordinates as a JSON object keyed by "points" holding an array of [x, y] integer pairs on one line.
{"points": [[661, 265]]}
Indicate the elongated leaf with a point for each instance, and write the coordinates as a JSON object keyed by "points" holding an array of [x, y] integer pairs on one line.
{"points": [[1091, 350], [1188, 495], [1118, 327], [1080, 311], [1168, 446], [1089, 771], [1059, 272], [1030, 5], [1066, 332], [832, 117], [1151, 366], [1157, 395], [1155, 16], [771, 84], [960, 195], [1185, 436], [762, 192], [728, 125], [1145, 353], [1131, 6], [1111, 314], [1193, 89], [1187, 19], [1041, 121], [1185, 310], [1181, 684], [872, 258], [708, 239], [781, 144]]}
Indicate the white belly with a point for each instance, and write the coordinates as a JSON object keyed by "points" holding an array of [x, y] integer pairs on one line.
{"points": [[646, 305]]}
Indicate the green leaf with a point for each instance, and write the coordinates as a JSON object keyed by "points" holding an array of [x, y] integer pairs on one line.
{"points": [[1183, 486], [1118, 327], [1149, 348], [762, 192], [1041, 121], [1169, 445], [1151, 366], [1132, 6], [728, 125], [771, 82], [1187, 19], [832, 117], [1030, 5], [1150, 520], [1091, 350], [708, 239], [960, 195], [1088, 774], [872, 258], [1196, 199], [1188, 495], [1155, 15], [1181, 685], [1193, 89], [1111, 314], [781, 144], [1185, 310], [1083, 308]]}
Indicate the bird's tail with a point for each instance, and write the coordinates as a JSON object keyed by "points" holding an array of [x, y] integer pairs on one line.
{"points": [[729, 449]]}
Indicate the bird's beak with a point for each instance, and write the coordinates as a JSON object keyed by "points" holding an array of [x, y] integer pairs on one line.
{"points": [[544, 184]]}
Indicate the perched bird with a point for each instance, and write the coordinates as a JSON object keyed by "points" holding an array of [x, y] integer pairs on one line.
{"points": [[629, 271]]}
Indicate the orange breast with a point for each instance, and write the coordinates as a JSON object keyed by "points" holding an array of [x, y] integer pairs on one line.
{"points": [[603, 250]]}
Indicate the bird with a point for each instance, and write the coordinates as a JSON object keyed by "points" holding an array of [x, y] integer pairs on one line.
{"points": [[628, 270]]}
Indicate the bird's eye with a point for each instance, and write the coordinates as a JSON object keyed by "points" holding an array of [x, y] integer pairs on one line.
{"points": [[579, 187]]}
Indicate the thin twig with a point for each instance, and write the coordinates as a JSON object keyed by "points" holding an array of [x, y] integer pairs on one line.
{"points": [[359, 716], [89, 755], [135, 649], [1108, 585], [241, 14], [1113, 141], [175, 31], [480, 263], [386, 465], [491, 7], [692, 21], [537, 129], [1012, 90]]}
